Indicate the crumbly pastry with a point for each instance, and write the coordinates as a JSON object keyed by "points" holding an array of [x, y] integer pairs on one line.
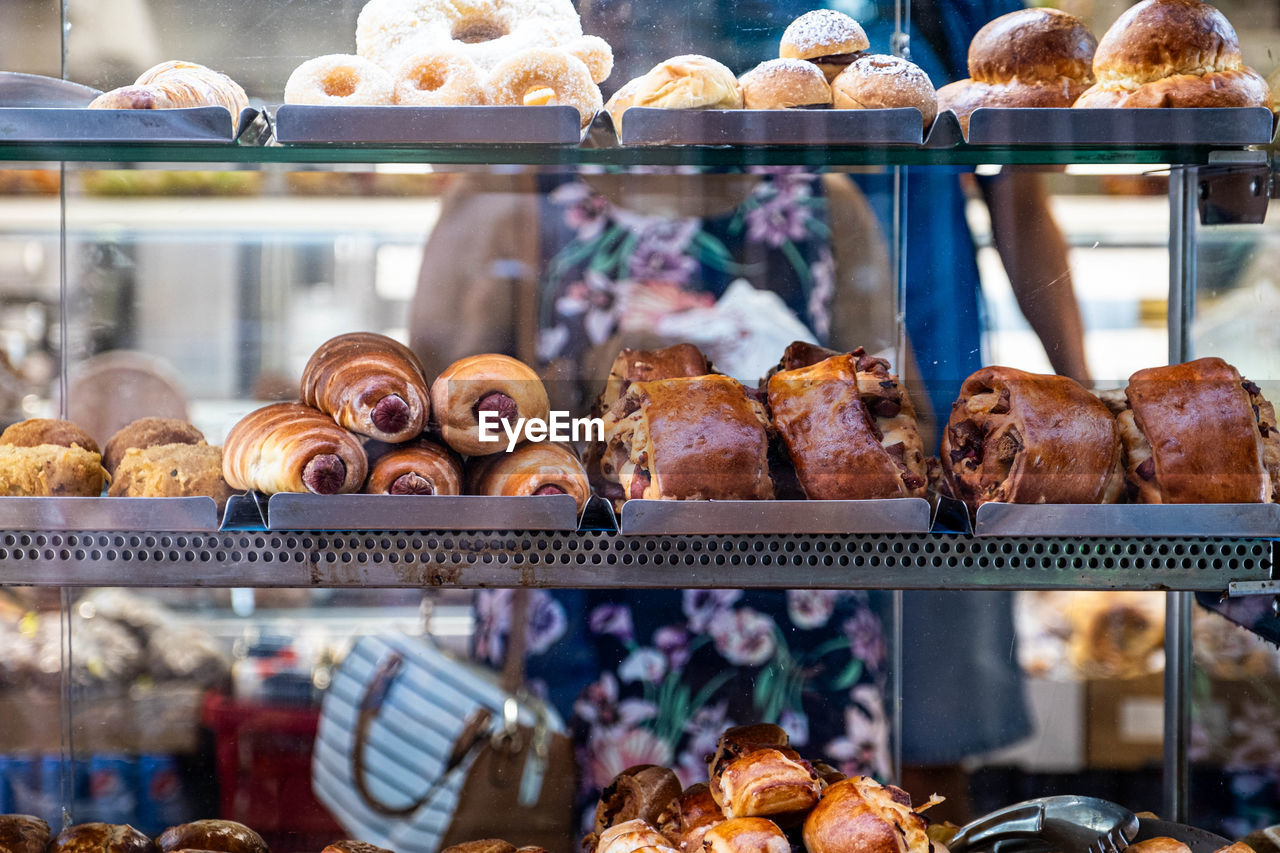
{"points": [[779, 84], [45, 457], [224, 836], [420, 467], [849, 428], [440, 78], [530, 469], [34, 432], [877, 81], [1173, 53], [145, 432], [479, 383], [543, 69], [1038, 57], [701, 438], [291, 447], [353, 847], [370, 384], [101, 838], [686, 82], [174, 85], [825, 37], [340, 80], [1021, 437], [746, 835], [859, 815], [20, 833], [172, 471], [1199, 433]]}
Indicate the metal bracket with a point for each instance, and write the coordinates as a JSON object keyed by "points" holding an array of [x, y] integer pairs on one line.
{"points": [[1234, 192], [1238, 589]]}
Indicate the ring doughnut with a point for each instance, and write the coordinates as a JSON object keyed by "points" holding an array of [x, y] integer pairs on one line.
{"points": [[547, 68], [439, 78], [390, 31], [596, 53], [339, 79]]}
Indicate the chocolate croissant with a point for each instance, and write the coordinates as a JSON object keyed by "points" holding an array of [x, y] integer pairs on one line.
{"points": [[101, 838], [21, 833], [226, 836], [290, 447], [530, 469], [175, 85], [370, 384], [1199, 433], [486, 383], [699, 438], [859, 815], [746, 835], [1020, 437], [849, 428], [420, 467]]}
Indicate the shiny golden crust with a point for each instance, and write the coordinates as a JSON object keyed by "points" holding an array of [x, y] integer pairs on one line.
{"points": [[769, 782], [702, 438], [369, 384], [21, 833], [50, 470], [466, 383], [694, 812], [631, 836], [828, 38], [353, 847], [780, 84], [1033, 46], [746, 835], [174, 85], [1021, 437], [530, 469], [482, 845], [860, 814], [34, 432], [420, 467], [101, 838], [290, 447], [964, 96], [877, 81], [172, 471], [1241, 87], [1163, 38], [687, 82], [637, 365], [225, 836], [145, 432], [646, 792], [1193, 435], [1159, 844]]}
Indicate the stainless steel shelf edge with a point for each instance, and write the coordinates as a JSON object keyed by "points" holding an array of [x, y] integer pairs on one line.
{"points": [[1153, 520], [437, 512], [655, 518], [383, 125], [104, 513]]}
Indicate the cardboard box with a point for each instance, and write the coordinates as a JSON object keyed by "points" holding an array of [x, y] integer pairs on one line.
{"points": [[1124, 722]]}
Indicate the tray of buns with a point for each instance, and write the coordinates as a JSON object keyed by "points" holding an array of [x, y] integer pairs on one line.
{"points": [[108, 513], [1149, 520], [650, 126], [1199, 126], [294, 511], [305, 124], [660, 518]]}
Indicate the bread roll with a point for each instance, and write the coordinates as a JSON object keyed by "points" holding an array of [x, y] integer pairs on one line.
{"points": [[825, 37], [1021, 437], [631, 836], [530, 469], [1173, 53], [172, 471], [289, 447], [21, 833], [101, 838], [370, 384], [1159, 844], [859, 815], [145, 432], [420, 467], [877, 81], [176, 84], [746, 835], [780, 84], [490, 382], [353, 847], [223, 836], [687, 82]]}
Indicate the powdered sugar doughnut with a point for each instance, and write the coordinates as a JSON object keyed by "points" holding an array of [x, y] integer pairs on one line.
{"points": [[388, 32], [339, 79], [547, 68], [596, 53], [439, 78]]}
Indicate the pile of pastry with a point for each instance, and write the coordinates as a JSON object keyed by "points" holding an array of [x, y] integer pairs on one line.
{"points": [[368, 420], [498, 52]]}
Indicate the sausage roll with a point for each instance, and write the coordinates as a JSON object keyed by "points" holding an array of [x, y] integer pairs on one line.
{"points": [[849, 429], [700, 438], [755, 773], [746, 835], [290, 447], [859, 815], [420, 467], [631, 836], [101, 838], [485, 383], [530, 469], [370, 384], [225, 836], [1198, 433], [21, 833], [1020, 437], [43, 457]]}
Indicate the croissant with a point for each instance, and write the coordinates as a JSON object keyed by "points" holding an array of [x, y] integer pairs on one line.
{"points": [[225, 835], [746, 835], [101, 838], [290, 447], [175, 85], [859, 815], [20, 833], [849, 428], [530, 469], [370, 384], [485, 383], [420, 467], [1022, 437]]}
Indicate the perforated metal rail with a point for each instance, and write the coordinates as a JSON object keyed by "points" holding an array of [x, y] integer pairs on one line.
{"points": [[586, 559]]}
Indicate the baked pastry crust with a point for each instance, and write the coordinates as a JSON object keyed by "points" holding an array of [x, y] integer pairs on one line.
{"points": [[827, 38], [370, 384], [481, 845], [465, 385], [176, 84], [172, 471], [876, 81], [631, 836], [691, 814], [22, 833], [145, 432], [289, 447], [1159, 844], [687, 82], [860, 814], [353, 847], [226, 836], [34, 432], [746, 835], [50, 470], [647, 792], [755, 773], [530, 469], [780, 84], [420, 467], [101, 838]]}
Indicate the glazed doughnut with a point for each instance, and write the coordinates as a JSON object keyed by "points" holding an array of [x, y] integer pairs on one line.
{"points": [[547, 68], [439, 78], [595, 53], [489, 382], [339, 80]]}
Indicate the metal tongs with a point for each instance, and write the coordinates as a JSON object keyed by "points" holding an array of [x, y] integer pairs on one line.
{"points": [[1061, 824]]}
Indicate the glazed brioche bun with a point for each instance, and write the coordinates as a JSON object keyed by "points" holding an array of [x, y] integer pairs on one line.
{"points": [[826, 38], [880, 81], [1032, 46], [779, 84], [688, 82], [964, 96]]}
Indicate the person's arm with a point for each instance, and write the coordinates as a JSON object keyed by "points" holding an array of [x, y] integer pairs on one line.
{"points": [[1034, 253]]}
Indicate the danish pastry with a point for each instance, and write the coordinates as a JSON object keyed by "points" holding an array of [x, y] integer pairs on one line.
{"points": [[859, 815], [745, 835]]}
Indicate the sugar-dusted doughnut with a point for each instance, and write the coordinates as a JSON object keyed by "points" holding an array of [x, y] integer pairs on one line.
{"points": [[547, 68], [596, 53], [339, 80], [440, 78]]}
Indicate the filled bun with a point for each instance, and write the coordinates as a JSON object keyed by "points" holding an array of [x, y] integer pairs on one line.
{"points": [[688, 82], [880, 81], [780, 84], [859, 815], [825, 37]]}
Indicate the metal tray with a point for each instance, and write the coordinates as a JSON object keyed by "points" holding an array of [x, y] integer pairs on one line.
{"points": [[59, 124], [660, 518], [35, 90], [299, 124], [945, 132], [287, 511], [1154, 520], [102, 513], [1236, 126], [649, 126]]}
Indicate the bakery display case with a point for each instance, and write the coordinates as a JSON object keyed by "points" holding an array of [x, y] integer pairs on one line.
{"points": [[193, 260]]}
